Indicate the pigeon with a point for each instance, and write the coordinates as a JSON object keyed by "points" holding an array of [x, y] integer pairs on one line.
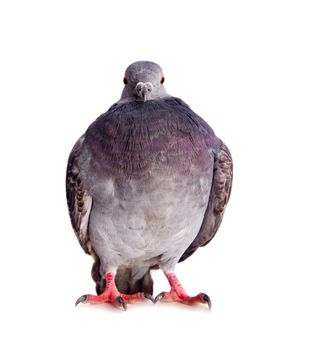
{"points": [[146, 185]]}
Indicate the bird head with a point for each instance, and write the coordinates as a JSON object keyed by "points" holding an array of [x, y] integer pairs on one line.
{"points": [[143, 81]]}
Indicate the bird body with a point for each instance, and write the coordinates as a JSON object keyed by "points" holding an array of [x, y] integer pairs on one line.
{"points": [[146, 185]]}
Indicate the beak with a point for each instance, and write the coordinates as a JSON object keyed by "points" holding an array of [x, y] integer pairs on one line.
{"points": [[144, 96], [143, 91]]}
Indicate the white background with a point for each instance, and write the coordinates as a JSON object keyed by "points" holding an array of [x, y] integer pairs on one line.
{"points": [[247, 67]]}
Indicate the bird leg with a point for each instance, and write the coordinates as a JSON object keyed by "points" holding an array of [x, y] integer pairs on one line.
{"points": [[178, 294], [112, 295]]}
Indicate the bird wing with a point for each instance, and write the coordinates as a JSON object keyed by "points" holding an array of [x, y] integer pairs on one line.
{"points": [[79, 201], [219, 196]]}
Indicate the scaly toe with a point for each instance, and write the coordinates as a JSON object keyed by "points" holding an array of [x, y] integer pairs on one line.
{"points": [[173, 296]]}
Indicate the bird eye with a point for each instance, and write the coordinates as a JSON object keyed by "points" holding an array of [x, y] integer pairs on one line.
{"points": [[162, 80], [125, 81]]}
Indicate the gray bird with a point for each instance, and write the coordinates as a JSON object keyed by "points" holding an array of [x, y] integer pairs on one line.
{"points": [[147, 185]]}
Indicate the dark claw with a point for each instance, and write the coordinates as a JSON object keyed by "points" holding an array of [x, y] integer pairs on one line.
{"points": [[122, 301], [159, 297], [206, 299], [82, 299], [150, 297]]}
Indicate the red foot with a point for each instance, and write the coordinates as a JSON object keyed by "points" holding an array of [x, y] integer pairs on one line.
{"points": [[112, 295], [178, 294]]}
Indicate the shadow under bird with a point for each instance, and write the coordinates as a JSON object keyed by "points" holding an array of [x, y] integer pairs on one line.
{"points": [[147, 185]]}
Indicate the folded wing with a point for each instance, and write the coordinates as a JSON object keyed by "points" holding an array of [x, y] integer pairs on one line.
{"points": [[219, 196], [79, 201]]}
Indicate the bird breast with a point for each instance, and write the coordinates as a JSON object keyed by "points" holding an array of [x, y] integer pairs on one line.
{"points": [[147, 217]]}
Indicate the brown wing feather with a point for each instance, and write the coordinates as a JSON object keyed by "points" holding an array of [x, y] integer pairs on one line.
{"points": [[79, 201], [219, 196]]}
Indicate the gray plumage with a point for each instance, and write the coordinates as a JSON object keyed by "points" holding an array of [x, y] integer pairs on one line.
{"points": [[147, 184]]}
